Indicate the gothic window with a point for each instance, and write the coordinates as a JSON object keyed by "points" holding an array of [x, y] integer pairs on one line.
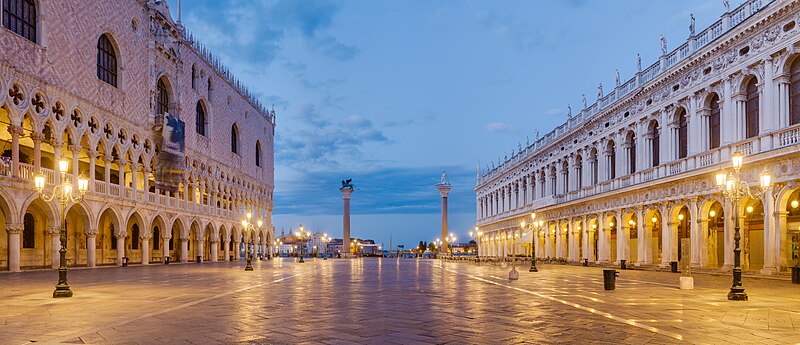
{"points": [[751, 109], [19, 16], [234, 139], [135, 236], [794, 93], [162, 97], [683, 134], [106, 61], [156, 238], [28, 232], [656, 131], [258, 153], [200, 119], [713, 123]]}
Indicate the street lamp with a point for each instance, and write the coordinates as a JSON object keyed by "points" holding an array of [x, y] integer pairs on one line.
{"points": [[536, 226], [62, 193], [325, 240], [477, 234], [302, 235], [249, 228], [732, 187]]}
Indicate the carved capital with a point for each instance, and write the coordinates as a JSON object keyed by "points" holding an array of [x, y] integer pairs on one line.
{"points": [[14, 228], [91, 232], [75, 148], [92, 153], [184, 238], [120, 235], [13, 129], [54, 230], [55, 142], [37, 137]]}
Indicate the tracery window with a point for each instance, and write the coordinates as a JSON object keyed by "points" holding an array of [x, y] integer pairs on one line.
{"points": [[162, 101], [106, 61], [200, 119], [234, 139], [19, 16]]}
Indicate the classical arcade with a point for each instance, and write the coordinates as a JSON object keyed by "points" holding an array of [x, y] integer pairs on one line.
{"points": [[95, 91], [632, 176]]}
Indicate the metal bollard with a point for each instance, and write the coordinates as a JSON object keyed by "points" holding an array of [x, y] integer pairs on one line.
{"points": [[609, 279]]}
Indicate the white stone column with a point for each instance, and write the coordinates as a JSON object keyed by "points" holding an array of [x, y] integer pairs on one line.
{"points": [[572, 254], [16, 132], [622, 238], [226, 250], [666, 235], [641, 238], [768, 114], [728, 233], [602, 241], [145, 245], [236, 249], [184, 248], [559, 239], [695, 234], [770, 232], [444, 190], [55, 236], [782, 103], [214, 242], [584, 239], [91, 247], [14, 246], [37, 151], [120, 248], [346, 221]]}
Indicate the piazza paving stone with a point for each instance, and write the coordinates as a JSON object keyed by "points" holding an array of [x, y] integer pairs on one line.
{"points": [[388, 301]]}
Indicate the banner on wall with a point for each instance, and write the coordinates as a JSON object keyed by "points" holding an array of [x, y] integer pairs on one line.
{"points": [[169, 167]]}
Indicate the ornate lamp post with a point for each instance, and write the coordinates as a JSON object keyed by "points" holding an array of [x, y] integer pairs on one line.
{"points": [[536, 226], [303, 236], [477, 234], [250, 229], [451, 241], [62, 193], [325, 240], [734, 189]]}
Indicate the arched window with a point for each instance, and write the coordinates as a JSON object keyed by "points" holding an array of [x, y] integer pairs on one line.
{"points": [[234, 139], [794, 93], [106, 61], [612, 160], [683, 134], [655, 131], [162, 98], [751, 109], [194, 77], [258, 153], [631, 152], [135, 236], [19, 16], [713, 123], [200, 119], [156, 238], [28, 232]]}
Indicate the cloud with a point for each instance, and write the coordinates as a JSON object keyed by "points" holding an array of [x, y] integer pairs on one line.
{"points": [[499, 127], [392, 190], [324, 142]]}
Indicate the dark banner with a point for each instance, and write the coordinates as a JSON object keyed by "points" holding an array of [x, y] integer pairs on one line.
{"points": [[170, 163]]}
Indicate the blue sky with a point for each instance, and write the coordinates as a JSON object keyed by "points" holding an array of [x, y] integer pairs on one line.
{"points": [[391, 93]]}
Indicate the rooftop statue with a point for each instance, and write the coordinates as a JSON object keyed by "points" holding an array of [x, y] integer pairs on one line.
{"points": [[663, 44]]}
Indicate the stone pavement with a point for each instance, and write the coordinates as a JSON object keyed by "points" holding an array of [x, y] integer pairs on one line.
{"points": [[388, 301]]}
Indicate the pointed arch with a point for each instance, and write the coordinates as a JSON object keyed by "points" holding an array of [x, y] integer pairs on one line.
{"points": [[107, 66], [201, 118], [751, 108], [235, 138]]}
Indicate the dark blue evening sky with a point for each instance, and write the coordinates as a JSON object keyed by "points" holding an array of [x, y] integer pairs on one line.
{"points": [[391, 93]]}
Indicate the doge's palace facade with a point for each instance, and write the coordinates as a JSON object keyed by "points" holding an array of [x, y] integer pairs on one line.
{"points": [[631, 177], [92, 82]]}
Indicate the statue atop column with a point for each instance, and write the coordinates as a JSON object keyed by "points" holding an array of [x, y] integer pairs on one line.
{"points": [[691, 24], [443, 180]]}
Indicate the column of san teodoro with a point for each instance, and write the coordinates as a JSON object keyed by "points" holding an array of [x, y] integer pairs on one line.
{"points": [[632, 176], [107, 86]]}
